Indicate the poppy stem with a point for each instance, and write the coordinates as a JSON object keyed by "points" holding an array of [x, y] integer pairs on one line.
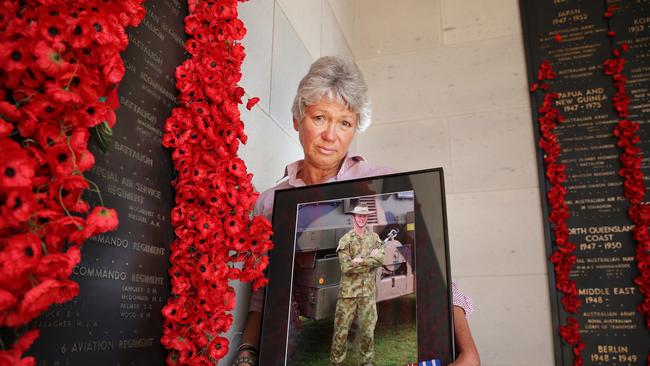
{"points": [[26, 141], [96, 190], [72, 154], [26, 99], [61, 201], [32, 280], [74, 73]]}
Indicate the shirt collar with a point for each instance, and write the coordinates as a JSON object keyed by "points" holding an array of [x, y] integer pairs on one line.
{"points": [[292, 169], [365, 232]]}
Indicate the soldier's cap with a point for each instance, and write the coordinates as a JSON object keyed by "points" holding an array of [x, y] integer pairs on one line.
{"points": [[361, 210]]}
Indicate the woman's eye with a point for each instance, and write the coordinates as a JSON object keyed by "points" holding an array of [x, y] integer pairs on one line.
{"points": [[347, 124], [319, 119]]}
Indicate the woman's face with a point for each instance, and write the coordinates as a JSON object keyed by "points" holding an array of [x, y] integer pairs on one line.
{"points": [[325, 133]]}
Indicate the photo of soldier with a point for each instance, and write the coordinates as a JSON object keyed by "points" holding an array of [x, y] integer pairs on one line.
{"points": [[360, 255], [353, 293]]}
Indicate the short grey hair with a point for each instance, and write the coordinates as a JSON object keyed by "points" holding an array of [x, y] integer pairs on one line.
{"points": [[338, 79]]}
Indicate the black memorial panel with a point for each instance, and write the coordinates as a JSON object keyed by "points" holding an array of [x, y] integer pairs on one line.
{"points": [[572, 36], [116, 319]]}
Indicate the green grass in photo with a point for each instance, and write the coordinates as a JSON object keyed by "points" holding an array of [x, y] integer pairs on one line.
{"points": [[395, 337]]}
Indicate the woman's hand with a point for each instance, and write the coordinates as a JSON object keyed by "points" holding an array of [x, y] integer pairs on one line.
{"points": [[466, 360], [467, 352], [251, 336], [244, 356]]}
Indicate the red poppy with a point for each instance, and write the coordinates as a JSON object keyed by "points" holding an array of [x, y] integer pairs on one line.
{"points": [[49, 58], [14, 357], [60, 228], [260, 226], [247, 200], [241, 242], [16, 168], [259, 246], [129, 12], [218, 348], [198, 360], [185, 347], [68, 191], [102, 219], [262, 263], [205, 269], [114, 69], [18, 207], [237, 167], [172, 357], [22, 253], [44, 109], [9, 110], [94, 114], [545, 71], [569, 332], [25, 341], [180, 284], [233, 224], [260, 282], [15, 56], [79, 139], [61, 159], [58, 265], [232, 196], [7, 300], [50, 133], [199, 172], [610, 11], [79, 34], [174, 311], [77, 86], [571, 303], [40, 297]]}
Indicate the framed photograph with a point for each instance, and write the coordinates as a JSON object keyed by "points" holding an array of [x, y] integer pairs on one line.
{"points": [[360, 274]]}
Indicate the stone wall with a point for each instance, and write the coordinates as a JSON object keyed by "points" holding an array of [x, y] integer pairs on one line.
{"points": [[449, 87]]}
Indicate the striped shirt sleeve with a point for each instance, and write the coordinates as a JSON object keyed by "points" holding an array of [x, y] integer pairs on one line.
{"points": [[462, 300]]}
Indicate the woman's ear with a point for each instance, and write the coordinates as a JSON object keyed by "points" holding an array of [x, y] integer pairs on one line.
{"points": [[296, 124]]}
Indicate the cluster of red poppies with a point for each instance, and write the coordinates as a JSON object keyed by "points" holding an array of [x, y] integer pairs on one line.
{"points": [[216, 238], [562, 258], [633, 184], [59, 62]]}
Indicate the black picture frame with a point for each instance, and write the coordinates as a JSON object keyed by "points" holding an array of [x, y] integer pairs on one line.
{"points": [[433, 288]]}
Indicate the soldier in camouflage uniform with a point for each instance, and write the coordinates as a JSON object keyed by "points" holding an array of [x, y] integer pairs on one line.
{"points": [[360, 254]]}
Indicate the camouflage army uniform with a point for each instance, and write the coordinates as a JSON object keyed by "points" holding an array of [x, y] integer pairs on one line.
{"points": [[357, 294]]}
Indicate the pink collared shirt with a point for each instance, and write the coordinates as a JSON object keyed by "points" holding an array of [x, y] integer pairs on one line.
{"points": [[354, 166]]}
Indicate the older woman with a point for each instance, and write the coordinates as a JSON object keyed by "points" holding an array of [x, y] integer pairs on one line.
{"points": [[330, 106]]}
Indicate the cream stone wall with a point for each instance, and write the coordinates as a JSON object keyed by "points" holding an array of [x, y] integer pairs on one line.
{"points": [[449, 88], [448, 84]]}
